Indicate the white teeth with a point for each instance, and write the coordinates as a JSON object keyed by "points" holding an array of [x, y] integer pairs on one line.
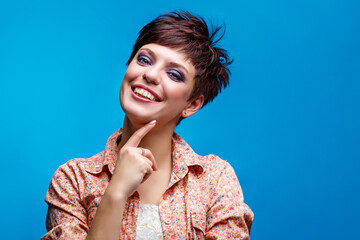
{"points": [[144, 93]]}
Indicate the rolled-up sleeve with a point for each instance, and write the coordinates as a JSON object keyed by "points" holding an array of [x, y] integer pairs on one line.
{"points": [[229, 217], [66, 216]]}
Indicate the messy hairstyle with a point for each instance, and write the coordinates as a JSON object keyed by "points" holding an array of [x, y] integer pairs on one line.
{"points": [[190, 34]]}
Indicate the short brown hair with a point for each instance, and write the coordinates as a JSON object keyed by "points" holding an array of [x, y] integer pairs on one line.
{"points": [[191, 34]]}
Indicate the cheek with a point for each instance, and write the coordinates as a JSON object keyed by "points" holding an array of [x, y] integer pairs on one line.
{"points": [[128, 75], [132, 71], [180, 93]]}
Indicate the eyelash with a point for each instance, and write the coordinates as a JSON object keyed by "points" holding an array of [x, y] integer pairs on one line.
{"points": [[141, 58], [174, 74]]}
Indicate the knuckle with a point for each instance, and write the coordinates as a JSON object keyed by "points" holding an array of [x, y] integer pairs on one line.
{"points": [[127, 150], [132, 154]]}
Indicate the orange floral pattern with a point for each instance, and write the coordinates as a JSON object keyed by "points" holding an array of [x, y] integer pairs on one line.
{"points": [[204, 199]]}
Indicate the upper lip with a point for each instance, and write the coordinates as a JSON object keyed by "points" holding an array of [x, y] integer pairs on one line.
{"points": [[157, 97]]}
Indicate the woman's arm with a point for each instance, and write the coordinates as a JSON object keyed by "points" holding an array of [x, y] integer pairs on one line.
{"points": [[67, 216], [108, 218], [133, 167], [229, 217]]}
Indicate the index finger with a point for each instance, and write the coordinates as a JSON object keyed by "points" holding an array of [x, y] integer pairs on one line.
{"points": [[135, 139]]}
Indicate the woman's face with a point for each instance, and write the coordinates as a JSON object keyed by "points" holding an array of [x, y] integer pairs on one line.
{"points": [[157, 85]]}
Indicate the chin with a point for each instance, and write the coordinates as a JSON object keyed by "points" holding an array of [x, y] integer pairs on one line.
{"points": [[137, 116]]}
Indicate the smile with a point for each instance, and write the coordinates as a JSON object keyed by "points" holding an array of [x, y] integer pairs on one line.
{"points": [[143, 93]]}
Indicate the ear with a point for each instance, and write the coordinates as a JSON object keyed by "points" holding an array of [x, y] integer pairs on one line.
{"points": [[193, 106]]}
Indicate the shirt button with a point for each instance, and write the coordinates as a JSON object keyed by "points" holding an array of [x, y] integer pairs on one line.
{"points": [[168, 220]]}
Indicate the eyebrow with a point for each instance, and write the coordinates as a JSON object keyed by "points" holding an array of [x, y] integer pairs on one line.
{"points": [[172, 64]]}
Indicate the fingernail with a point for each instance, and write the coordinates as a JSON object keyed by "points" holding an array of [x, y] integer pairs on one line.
{"points": [[152, 122]]}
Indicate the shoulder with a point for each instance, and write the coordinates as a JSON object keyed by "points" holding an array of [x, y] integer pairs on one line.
{"points": [[213, 161], [76, 166], [215, 175], [210, 164], [71, 181], [96, 163], [215, 166], [206, 168]]}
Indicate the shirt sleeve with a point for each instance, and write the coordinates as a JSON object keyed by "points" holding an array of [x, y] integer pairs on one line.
{"points": [[229, 217], [66, 217]]}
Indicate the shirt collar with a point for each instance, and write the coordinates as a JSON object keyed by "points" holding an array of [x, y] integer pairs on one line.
{"points": [[106, 158], [184, 158]]}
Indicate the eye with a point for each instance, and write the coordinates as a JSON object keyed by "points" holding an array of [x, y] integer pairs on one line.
{"points": [[175, 75], [143, 59]]}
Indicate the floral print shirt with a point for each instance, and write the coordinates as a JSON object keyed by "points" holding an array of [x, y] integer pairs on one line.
{"points": [[203, 200]]}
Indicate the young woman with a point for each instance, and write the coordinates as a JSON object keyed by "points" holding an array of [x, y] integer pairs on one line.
{"points": [[148, 183]]}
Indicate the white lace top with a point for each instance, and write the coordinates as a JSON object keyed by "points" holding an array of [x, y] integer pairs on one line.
{"points": [[148, 223]]}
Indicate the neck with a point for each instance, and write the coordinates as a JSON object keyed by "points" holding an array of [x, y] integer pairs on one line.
{"points": [[158, 140]]}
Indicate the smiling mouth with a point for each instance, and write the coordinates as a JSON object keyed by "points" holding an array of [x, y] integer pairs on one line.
{"points": [[145, 94]]}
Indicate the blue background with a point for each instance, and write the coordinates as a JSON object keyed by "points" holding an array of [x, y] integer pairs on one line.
{"points": [[288, 123]]}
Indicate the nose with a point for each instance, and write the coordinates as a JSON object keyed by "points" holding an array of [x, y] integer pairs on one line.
{"points": [[152, 75]]}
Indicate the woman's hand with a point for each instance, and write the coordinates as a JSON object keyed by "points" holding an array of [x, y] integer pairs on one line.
{"points": [[134, 165]]}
